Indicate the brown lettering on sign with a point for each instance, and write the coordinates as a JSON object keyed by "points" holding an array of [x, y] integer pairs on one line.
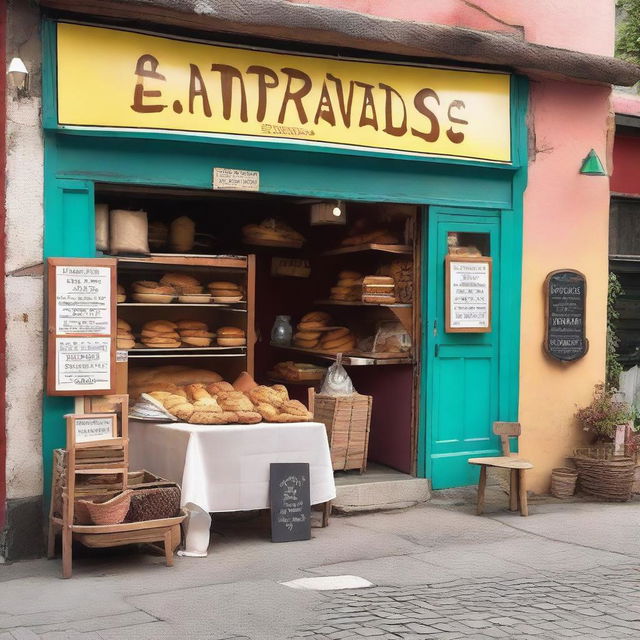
{"points": [[389, 127], [456, 136], [325, 108], [367, 103], [263, 73], [421, 107], [295, 96], [147, 67], [227, 75], [197, 88], [345, 109]]}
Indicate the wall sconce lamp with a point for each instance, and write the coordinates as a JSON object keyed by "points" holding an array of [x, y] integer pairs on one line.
{"points": [[18, 77], [328, 212], [592, 165]]}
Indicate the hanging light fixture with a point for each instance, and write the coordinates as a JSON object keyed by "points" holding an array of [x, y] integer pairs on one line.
{"points": [[592, 165], [328, 212], [18, 77]]}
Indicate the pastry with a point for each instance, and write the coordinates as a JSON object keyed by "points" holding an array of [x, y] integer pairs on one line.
{"points": [[266, 395], [196, 333], [244, 382], [193, 341], [218, 387], [316, 316], [123, 324], [161, 396], [191, 324], [207, 404], [197, 391], [160, 325], [173, 401], [267, 411], [305, 344], [248, 417], [209, 417], [182, 283], [379, 299], [147, 286], [184, 411], [125, 343], [294, 407], [231, 337], [234, 401], [307, 335], [271, 229], [334, 334], [341, 344], [166, 335], [311, 324]]}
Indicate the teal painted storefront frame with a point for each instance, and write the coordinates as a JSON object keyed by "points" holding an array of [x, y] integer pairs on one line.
{"points": [[75, 160]]}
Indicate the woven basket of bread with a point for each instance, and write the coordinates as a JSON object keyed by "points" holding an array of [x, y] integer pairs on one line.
{"points": [[348, 422], [154, 503]]}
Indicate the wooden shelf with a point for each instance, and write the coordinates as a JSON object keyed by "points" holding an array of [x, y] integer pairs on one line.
{"points": [[355, 360], [172, 349], [341, 303], [134, 356], [186, 260], [404, 249], [178, 305]]}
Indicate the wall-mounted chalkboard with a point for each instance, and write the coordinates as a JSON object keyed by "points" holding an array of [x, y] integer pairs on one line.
{"points": [[565, 296], [290, 501]]}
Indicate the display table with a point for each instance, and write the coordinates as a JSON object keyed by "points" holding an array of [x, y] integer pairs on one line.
{"points": [[226, 467]]}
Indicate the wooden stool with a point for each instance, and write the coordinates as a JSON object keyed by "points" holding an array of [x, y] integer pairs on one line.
{"points": [[508, 460]]}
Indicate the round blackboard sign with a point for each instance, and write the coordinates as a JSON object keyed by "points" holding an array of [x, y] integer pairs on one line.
{"points": [[565, 293]]}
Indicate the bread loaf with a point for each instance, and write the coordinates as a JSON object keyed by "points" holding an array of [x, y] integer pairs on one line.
{"points": [[182, 234]]}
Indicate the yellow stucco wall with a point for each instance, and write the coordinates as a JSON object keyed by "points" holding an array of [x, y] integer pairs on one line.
{"points": [[566, 220]]}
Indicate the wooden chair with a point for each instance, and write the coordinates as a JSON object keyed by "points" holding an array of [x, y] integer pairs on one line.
{"points": [[508, 460]]}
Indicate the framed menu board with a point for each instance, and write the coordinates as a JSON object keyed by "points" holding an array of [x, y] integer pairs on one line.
{"points": [[81, 326], [467, 294], [565, 300]]}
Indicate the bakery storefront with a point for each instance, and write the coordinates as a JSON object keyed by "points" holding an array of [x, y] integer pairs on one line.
{"points": [[376, 204]]}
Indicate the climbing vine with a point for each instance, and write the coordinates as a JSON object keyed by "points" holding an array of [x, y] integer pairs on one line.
{"points": [[613, 366], [628, 38]]}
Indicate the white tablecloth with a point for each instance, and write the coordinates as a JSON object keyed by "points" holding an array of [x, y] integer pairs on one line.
{"points": [[226, 467]]}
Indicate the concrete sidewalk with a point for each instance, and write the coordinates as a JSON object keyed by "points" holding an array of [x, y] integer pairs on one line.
{"points": [[439, 571]]}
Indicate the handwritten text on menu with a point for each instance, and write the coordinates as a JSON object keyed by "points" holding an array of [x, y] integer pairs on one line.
{"points": [[83, 363], [92, 429], [290, 502], [469, 295], [83, 300]]}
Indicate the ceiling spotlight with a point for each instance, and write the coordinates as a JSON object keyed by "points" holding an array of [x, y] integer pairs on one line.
{"points": [[328, 212]]}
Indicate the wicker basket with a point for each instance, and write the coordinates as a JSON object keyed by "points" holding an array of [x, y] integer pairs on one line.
{"points": [[563, 482], [348, 421], [604, 475], [154, 503], [111, 511]]}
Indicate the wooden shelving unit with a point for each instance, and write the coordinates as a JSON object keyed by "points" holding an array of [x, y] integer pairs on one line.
{"points": [[352, 358], [403, 249], [342, 303]]}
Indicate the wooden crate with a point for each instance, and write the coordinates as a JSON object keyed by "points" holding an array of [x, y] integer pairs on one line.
{"points": [[348, 422]]}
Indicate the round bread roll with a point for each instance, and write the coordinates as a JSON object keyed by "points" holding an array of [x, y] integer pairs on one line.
{"points": [[307, 335], [179, 280], [125, 343], [218, 387], [340, 332], [339, 344], [224, 286], [305, 344], [349, 282], [230, 332], [196, 333], [311, 324], [161, 342], [123, 324], [316, 316], [166, 335], [231, 342], [340, 290], [120, 289], [196, 342], [159, 325], [147, 286], [192, 324], [349, 275]]}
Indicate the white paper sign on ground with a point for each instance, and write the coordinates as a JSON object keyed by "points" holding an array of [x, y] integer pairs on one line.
{"points": [[83, 364], [83, 300]]}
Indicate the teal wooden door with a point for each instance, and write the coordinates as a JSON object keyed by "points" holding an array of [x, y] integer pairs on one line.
{"points": [[463, 369]]}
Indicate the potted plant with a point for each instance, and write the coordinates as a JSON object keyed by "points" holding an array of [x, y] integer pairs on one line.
{"points": [[602, 471]]}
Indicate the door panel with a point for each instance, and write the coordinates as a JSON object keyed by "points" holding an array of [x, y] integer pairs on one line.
{"points": [[463, 381]]}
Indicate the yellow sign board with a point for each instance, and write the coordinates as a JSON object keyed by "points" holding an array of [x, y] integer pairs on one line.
{"points": [[121, 79]]}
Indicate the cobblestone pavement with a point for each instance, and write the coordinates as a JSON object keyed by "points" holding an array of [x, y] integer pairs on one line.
{"points": [[599, 603]]}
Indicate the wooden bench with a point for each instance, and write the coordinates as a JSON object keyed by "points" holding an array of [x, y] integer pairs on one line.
{"points": [[508, 460]]}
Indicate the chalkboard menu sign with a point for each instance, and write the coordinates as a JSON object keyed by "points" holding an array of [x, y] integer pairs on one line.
{"points": [[82, 326], [565, 295], [290, 501], [467, 294]]}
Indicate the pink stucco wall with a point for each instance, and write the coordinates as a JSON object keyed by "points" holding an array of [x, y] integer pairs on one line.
{"points": [[581, 25]]}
